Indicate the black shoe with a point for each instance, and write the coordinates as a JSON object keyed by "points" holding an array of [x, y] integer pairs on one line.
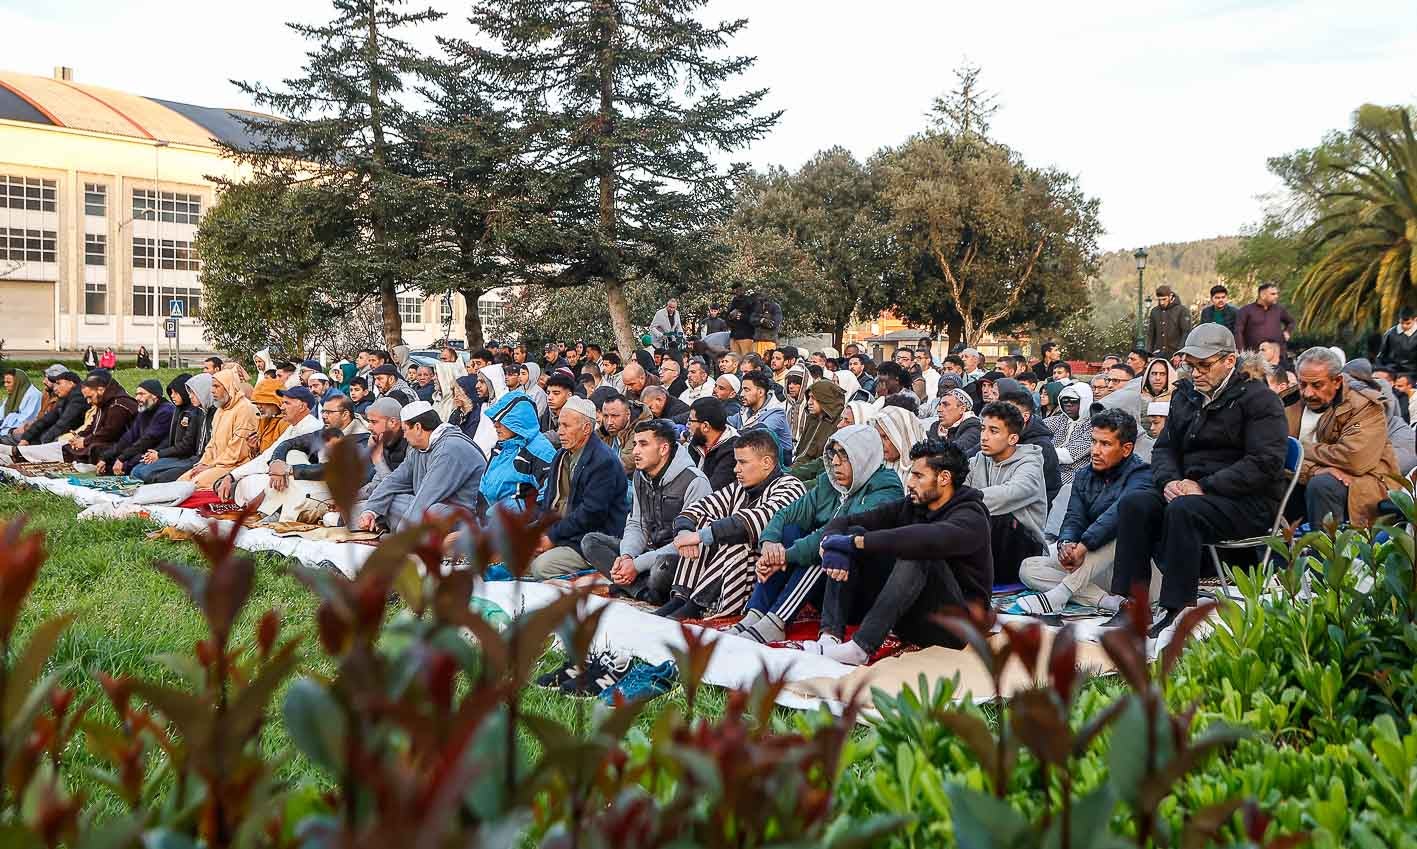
{"points": [[1168, 618], [687, 610], [603, 671], [1122, 618], [559, 678], [671, 607]]}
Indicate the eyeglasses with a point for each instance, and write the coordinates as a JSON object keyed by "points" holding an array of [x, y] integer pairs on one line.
{"points": [[1204, 366], [834, 455]]}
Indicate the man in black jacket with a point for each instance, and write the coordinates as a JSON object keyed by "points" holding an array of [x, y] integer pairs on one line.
{"points": [[711, 441], [65, 416], [907, 560], [180, 450], [1217, 473], [740, 320], [1399, 348]]}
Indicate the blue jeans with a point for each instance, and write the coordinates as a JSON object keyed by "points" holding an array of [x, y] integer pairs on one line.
{"points": [[165, 470]]}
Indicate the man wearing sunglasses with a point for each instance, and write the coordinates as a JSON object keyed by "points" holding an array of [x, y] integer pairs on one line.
{"points": [[1217, 473]]}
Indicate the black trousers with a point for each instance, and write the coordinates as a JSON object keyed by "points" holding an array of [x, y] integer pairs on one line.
{"points": [[601, 550], [1010, 543], [1173, 533], [887, 595]]}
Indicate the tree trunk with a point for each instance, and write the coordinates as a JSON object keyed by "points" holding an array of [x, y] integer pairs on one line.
{"points": [[472, 320], [839, 334], [388, 294], [954, 332], [605, 165]]}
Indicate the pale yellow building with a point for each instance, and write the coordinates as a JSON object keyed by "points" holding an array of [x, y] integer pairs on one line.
{"points": [[101, 194]]}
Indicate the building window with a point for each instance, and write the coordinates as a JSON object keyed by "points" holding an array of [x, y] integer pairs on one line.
{"points": [[172, 207], [29, 193], [168, 254], [28, 245], [95, 199], [156, 300], [410, 309], [95, 249], [492, 312], [95, 297]]}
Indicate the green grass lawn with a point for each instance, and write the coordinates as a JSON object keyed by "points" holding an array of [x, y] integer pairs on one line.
{"points": [[128, 613]]}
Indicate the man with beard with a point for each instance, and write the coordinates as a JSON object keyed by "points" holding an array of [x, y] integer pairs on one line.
{"points": [[696, 382], [711, 441], [761, 409], [147, 430], [907, 560], [390, 385]]}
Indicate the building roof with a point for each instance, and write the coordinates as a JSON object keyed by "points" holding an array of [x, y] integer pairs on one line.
{"points": [[65, 103]]}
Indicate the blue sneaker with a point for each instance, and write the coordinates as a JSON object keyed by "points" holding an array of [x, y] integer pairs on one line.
{"points": [[642, 683]]}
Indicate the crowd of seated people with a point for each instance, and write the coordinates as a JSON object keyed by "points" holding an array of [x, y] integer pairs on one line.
{"points": [[754, 485]]}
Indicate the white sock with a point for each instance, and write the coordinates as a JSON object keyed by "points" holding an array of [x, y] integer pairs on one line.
{"points": [[1059, 596], [1111, 603], [848, 652]]}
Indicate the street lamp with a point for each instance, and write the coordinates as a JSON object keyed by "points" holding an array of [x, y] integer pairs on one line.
{"points": [[1140, 256]]}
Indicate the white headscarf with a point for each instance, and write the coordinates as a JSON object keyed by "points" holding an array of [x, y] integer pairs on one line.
{"points": [[862, 412], [903, 429], [847, 381], [496, 378]]}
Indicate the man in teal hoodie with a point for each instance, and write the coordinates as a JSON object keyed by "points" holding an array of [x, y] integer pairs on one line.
{"points": [[789, 568]]}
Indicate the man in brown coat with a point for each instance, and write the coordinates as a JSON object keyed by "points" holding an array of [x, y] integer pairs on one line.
{"points": [[1348, 459]]}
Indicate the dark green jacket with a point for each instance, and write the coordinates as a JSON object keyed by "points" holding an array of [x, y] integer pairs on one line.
{"points": [[820, 505]]}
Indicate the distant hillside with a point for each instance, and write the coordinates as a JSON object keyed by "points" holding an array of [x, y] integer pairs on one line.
{"points": [[1189, 268]]}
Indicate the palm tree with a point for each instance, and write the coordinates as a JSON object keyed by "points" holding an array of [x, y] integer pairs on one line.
{"points": [[1365, 238]]}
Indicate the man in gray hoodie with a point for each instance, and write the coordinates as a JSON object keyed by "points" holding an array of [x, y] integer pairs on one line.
{"points": [[444, 470], [641, 564], [1010, 476]]}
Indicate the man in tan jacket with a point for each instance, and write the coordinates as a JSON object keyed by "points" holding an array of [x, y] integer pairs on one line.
{"points": [[1342, 424], [232, 433]]}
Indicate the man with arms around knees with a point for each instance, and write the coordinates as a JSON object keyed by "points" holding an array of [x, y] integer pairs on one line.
{"points": [[1009, 476], [665, 481], [1217, 473], [250, 479], [1349, 464], [443, 471], [711, 441], [147, 430], [586, 488], [789, 571], [285, 468], [717, 537], [907, 560], [1080, 567]]}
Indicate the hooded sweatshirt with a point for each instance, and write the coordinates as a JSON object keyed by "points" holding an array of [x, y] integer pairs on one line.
{"points": [[232, 426], [817, 428], [199, 392], [448, 472], [1072, 438], [532, 387], [862, 412], [771, 417], [872, 484], [1013, 487], [185, 431], [112, 415], [656, 501], [521, 461]]}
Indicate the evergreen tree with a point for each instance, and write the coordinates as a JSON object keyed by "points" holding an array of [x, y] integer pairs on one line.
{"points": [[343, 125], [620, 105]]}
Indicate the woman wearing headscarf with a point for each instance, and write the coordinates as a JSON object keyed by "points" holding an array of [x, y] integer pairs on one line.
{"points": [[1158, 382], [491, 383], [1072, 430], [22, 401], [825, 401], [263, 361], [522, 456], [270, 423], [851, 385], [900, 429], [342, 374]]}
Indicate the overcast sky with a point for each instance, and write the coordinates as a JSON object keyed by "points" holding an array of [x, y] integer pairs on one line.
{"points": [[1165, 110]]}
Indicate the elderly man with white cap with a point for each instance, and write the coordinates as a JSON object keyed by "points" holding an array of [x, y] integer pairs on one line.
{"points": [[586, 488], [443, 470]]}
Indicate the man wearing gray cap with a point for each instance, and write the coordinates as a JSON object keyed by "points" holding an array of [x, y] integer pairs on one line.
{"points": [[1217, 473]]}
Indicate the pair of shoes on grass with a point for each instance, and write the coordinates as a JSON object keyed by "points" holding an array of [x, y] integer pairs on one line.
{"points": [[608, 674]]}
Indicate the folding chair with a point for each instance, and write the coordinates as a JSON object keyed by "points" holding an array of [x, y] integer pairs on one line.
{"points": [[1293, 458]]}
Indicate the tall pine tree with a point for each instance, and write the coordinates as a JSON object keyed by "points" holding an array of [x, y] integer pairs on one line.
{"points": [[343, 124], [622, 112]]}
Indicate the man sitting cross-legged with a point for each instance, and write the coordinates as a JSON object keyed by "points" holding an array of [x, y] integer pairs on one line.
{"points": [[664, 483], [1080, 567], [248, 480], [790, 570], [443, 470], [893, 568], [296, 470], [717, 538], [586, 488], [1010, 477]]}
